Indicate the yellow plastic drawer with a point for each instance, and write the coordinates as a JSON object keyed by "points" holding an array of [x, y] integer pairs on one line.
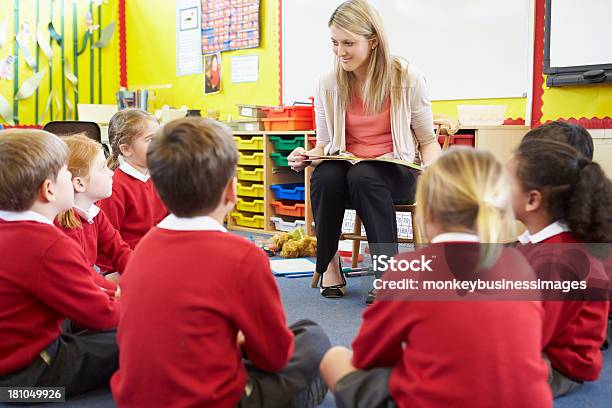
{"points": [[255, 190], [255, 159], [255, 221], [254, 206], [251, 175], [249, 143]]}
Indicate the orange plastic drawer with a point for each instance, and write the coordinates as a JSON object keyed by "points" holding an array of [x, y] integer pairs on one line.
{"points": [[295, 210], [287, 124]]}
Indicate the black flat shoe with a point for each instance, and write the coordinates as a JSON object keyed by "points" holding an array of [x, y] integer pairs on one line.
{"points": [[371, 297], [335, 291]]}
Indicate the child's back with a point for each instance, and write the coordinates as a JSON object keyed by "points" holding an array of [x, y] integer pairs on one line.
{"points": [[480, 350], [455, 336], [190, 291], [195, 297]]}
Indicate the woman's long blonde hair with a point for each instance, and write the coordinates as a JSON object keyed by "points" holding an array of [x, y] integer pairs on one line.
{"points": [[467, 190], [360, 18], [82, 152]]}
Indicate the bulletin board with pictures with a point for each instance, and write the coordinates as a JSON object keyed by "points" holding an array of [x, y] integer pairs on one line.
{"points": [[229, 25]]}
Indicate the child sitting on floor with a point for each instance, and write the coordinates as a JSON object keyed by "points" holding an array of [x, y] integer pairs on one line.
{"points": [[44, 276], [435, 349], [580, 139], [196, 299], [85, 223], [134, 207], [564, 198]]}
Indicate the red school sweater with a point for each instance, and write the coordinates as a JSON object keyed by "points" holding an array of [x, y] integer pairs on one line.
{"points": [[44, 279], [133, 209], [463, 353], [100, 236], [573, 330], [185, 295]]}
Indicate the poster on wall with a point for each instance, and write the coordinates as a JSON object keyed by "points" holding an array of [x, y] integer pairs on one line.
{"points": [[229, 25], [245, 68], [212, 74], [188, 39]]}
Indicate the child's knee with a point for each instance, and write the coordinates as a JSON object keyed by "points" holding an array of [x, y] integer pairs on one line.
{"points": [[336, 356]]}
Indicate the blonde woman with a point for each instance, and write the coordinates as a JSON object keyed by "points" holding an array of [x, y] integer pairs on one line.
{"points": [[434, 348], [372, 104]]}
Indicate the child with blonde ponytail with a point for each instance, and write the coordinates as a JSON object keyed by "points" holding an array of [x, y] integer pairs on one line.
{"points": [[134, 207], [430, 349], [85, 223]]}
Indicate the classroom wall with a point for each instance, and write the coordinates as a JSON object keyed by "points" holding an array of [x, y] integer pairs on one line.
{"points": [[592, 107], [576, 102], [151, 60], [568, 102], [151, 34], [105, 74], [515, 111]]}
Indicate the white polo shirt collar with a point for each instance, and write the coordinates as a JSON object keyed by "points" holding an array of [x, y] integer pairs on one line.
{"points": [[24, 216], [128, 169], [202, 223], [551, 230], [455, 237]]}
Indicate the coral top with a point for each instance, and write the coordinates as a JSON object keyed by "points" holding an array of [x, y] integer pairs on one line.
{"points": [[368, 135]]}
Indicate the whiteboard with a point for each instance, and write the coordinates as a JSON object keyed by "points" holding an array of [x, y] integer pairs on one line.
{"points": [[580, 33], [467, 49]]}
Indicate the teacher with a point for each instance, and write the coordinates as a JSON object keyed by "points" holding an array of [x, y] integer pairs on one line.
{"points": [[371, 105]]}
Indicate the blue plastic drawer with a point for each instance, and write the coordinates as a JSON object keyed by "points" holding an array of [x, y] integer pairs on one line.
{"points": [[295, 191]]}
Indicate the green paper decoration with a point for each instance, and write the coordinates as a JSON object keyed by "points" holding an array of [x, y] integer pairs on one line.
{"points": [[107, 35], [30, 85]]}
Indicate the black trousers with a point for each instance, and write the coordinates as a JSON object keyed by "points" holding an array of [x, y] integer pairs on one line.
{"points": [[371, 188], [294, 385], [81, 361]]}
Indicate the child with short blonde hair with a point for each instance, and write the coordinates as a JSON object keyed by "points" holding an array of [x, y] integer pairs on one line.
{"points": [[445, 349], [45, 278], [134, 206], [85, 223]]}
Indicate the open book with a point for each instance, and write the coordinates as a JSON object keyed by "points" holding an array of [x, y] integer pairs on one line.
{"points": [[355, 159]]}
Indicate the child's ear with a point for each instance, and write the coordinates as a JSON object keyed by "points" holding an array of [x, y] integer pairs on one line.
{"points": [[126, 150], [79, 184], [534, 201], [231, 191], [46, 192]]}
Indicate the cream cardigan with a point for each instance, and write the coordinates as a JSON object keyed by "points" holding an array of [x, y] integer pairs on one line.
{"points": [[411, 118]]}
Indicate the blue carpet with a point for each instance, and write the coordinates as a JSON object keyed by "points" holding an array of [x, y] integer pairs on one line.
{"points": [[341, 319]]}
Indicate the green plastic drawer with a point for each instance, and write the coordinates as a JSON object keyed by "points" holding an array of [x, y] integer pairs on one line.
{"points": [[279, 159], [287, 144]]}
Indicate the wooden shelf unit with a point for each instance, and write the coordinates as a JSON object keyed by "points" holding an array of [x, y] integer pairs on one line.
{"points": [[277, 175]]}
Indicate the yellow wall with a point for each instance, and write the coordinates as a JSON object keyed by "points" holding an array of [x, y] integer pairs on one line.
{"points": [[151, 45], [151, 60], [576, 102], [515, 106], [110, 60]]}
